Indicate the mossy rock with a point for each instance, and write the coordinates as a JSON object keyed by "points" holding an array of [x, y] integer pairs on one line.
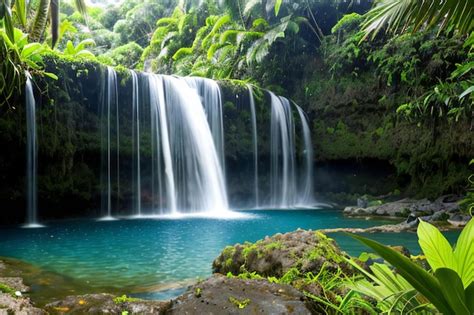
{"points": [[304, 251]]}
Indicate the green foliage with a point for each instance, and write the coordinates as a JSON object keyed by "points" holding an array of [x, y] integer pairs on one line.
{"points": [[6, 289], [450, 289], [412, 15], [391, 291], [79, 50], [241, 304], [347, 23], [217, 47], [126, 55], [19, 57], [124, 299], [467, 204]]}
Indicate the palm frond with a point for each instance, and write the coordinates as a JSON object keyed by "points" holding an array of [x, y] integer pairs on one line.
{"points": [[411, 15]]}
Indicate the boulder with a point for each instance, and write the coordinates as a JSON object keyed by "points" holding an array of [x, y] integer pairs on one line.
{"points": [[275, 256], [406, 207], [105, 304], [459, 220], [16, 283], [222, 295], [10, 304]]}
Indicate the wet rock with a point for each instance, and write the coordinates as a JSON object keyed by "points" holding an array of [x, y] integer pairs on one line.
{"points": [[459, 220], [105, 304], [406, 207], [16, 283], [223, 295], [388, 228], [10, 304], [274, 256]]}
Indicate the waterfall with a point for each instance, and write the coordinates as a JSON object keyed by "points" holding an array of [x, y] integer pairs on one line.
{"points": [[211, 98], [136, 173], [160, 134], [31, 156], [255, 142], [282, 151], [181, 133], [110, 100], [306, 190], [173, 146]]}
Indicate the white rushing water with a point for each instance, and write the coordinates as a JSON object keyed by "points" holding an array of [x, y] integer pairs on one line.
{"points": [[136, 170], [255, 143], [305, 197], [109, 104], [211, 98], [31, 157], [282, 151], [193, 176], [183, 118]]}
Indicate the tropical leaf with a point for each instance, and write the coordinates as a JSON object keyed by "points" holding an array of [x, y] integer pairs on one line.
{"points": [[419, 278], [464, 254], [452, 288], [404, 15], [437, 250]]}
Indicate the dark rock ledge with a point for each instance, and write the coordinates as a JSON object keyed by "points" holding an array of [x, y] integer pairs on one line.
{"points": [[444, 212]]}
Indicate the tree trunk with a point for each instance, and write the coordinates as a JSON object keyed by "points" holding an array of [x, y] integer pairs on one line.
{"points": [[39, 24]]}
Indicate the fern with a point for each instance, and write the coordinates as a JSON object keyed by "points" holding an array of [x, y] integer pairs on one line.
{"points": [[184, 51]]}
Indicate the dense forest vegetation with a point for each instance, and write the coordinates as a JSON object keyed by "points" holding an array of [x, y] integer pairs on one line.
{"points": [[377, 88], [388, 84]]}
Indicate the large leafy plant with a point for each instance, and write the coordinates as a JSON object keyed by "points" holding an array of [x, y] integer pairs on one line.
{"points": [[18, 56], [450, 284]]}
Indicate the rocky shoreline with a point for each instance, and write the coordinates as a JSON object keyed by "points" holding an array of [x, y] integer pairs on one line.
{"points": [[443, 212]]}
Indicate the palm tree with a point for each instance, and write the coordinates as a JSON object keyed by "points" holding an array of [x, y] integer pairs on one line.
{"points": [[411, 15], [38, 25]]}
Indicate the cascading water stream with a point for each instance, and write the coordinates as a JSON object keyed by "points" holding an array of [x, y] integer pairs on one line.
{"points": [[255, 142], [197, 169], [31, 156], [160, 134], [211, 99], [282, 151], [306, 190], [110, 99], [136, 171], [177, 155]]}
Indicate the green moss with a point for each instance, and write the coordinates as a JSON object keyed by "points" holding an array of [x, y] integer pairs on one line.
{"points": [[228, 251], [241, 304], [6, 289], [249, 249], [274, 245], [291, 275], [124, 299], [197, 292]]}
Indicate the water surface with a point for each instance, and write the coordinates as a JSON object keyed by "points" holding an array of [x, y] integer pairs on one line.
{"points": [[149, 254]]}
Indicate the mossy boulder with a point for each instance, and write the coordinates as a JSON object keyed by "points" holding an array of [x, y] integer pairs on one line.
{"points": [[304, 251]]}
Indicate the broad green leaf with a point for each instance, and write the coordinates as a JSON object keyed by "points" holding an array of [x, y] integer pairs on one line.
{"points": [[470, 297], [278, 6], [51, 75], [83, 44], [464, 254], [453, 290], [419, 278], [20, 10], [8, 22], [30, 49], [436, 248], [467, 92]]}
